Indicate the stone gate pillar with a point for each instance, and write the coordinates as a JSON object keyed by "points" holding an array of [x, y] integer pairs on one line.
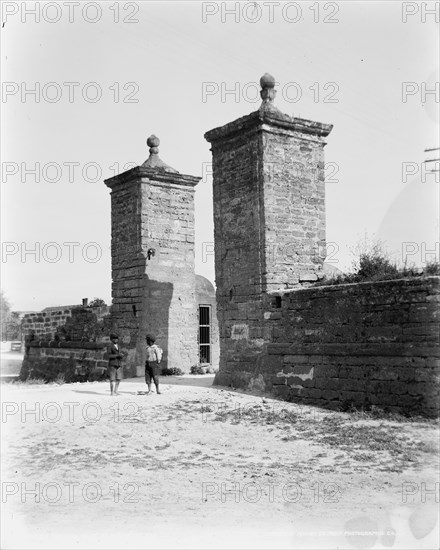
{"points": [[153, 277], [269, 222]]}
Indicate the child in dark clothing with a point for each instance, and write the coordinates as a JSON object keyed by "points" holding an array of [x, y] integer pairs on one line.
{"points": [[114, 364]]}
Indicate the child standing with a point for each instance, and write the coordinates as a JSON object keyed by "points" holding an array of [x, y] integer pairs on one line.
{"points": [[114, 364], [154, 357]]}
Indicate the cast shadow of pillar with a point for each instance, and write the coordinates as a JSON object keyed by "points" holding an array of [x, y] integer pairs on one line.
{"points": [[154, 317]]}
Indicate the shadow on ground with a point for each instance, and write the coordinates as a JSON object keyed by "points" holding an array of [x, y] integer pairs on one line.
{"points": [[202, 381]]}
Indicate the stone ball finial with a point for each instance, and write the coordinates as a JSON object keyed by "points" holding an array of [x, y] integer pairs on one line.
{"points": [[153, 143], [267, 81], [267, 92]]}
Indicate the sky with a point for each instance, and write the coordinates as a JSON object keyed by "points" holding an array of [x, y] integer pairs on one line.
{"points": [[106, 75]]}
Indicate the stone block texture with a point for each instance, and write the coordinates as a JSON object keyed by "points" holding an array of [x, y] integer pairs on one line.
{"points": [[269, 221], [363, 344], [153, 277], [44, 324], [75, 361]]}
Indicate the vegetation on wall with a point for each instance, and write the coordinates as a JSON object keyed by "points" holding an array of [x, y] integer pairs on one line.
{"points": [[97, 302], [373, 263]]}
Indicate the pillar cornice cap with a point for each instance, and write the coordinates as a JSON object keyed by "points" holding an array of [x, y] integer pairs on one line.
{"points": [[161, 177], [271, 117], [153, 170]]}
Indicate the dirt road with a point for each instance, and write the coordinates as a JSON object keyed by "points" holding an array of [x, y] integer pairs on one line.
{"points": [[204, 467]]}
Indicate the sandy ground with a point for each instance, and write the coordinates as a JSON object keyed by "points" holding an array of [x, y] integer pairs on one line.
{"points": [[208, 467]]}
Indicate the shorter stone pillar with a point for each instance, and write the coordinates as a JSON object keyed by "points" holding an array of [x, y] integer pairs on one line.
{"points": [[153, 278]]}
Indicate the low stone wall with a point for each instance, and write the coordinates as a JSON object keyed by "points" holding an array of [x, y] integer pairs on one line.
{"points": [[74, 324], [76, 361], [44, 324], [375, 343]]}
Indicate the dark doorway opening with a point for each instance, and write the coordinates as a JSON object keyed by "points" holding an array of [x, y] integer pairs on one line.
{"points": [[205, 334]]}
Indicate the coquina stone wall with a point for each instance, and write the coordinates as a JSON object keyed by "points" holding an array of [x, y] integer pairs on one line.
{"points": [[74, 346], [73, 322], [44, 324], [371, 343], [75, 361], [364, 344]]}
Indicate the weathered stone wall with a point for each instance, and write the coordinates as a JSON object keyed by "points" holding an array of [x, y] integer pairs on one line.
{"points": [[269, 219], [76, 361], [153, 263], [45, 323], [366, 344], [73, 324], [293, 207], [169, 307], [238, 241], [374, 343], [127, 266], [76, 320], [237, 217]]}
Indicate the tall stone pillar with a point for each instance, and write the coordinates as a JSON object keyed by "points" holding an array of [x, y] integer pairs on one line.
{"points": [[153, 277], [269, 222]]}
